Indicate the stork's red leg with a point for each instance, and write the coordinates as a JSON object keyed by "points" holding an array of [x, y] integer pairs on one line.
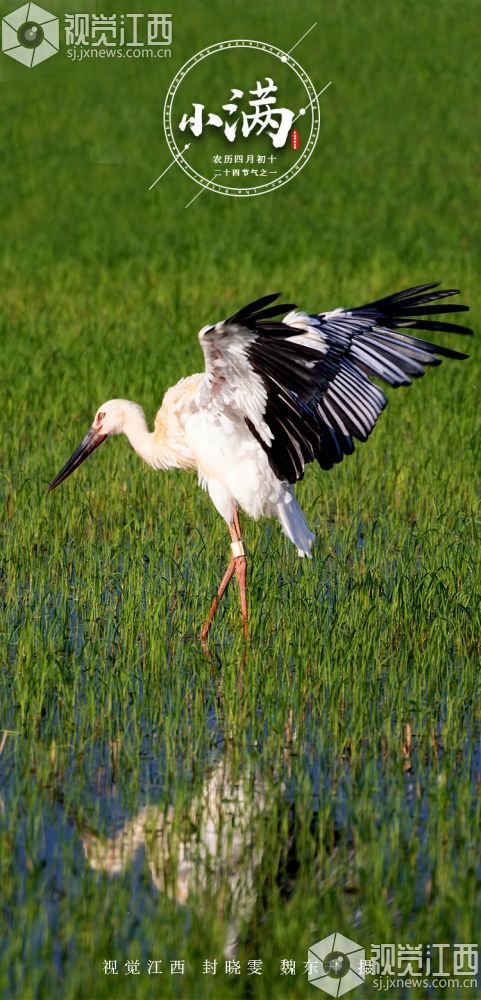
{"points": [[241, 570], [239, 564], [215, 603]]}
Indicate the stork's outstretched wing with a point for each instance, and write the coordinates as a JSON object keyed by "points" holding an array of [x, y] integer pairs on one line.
{"points": [[303, 384]]}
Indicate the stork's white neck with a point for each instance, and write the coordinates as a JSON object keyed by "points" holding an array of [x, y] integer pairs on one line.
{"points": [[135, 428], [146, 443]]}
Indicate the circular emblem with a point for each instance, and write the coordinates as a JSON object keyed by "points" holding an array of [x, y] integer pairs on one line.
{"points": [[241, 118], [30, 34], [336, 964]]}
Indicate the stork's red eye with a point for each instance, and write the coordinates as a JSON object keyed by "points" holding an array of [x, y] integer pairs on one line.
{"points": [[100, 417]]}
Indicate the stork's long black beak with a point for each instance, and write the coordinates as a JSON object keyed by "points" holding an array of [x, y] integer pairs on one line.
{"points": [[90, 442]]}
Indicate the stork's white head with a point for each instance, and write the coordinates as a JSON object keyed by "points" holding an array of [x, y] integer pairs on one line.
{"points": [[113, 417]]}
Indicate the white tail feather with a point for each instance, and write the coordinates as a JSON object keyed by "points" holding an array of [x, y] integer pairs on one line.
{"points": [[294, 524]]}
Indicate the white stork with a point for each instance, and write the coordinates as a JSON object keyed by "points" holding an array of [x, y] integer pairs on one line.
{"points": [[275, 395]]}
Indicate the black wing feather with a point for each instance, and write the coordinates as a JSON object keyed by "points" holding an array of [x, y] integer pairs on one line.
{"points": [[320, 397], [256, 311]]}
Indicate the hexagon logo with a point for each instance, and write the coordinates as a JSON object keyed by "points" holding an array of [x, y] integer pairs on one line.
{"points": [[30, 35], [335, 965]]}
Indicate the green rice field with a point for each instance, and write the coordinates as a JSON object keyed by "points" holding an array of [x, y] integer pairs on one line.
{"points": [[160, 802]]}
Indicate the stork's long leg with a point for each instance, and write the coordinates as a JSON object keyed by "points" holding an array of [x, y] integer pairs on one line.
{"points": [[238, 564], [241, 569], [215, 603]]}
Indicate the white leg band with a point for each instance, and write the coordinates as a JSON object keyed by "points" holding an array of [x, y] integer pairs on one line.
{"points": [[237, 549]]}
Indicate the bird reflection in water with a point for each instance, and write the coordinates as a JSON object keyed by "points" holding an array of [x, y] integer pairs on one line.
{"points": [[210, 849]]}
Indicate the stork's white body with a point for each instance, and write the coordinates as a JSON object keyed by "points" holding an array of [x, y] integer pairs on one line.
{"points": [[217, 443]]}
